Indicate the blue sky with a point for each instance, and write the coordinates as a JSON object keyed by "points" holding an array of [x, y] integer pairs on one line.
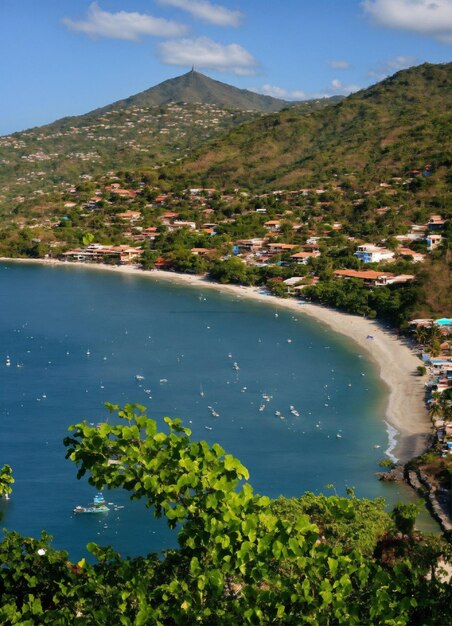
{"points": [[67, 57]]}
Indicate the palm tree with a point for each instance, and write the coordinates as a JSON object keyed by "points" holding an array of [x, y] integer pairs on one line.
{"points": [[421, 334], [435, 410]]}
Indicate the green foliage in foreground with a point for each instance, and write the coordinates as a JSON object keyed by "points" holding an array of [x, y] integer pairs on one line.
{"points": [[6, 480], [242, 559]]}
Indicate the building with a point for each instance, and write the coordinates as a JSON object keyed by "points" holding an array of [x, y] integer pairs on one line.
{"points": [[370, 253], [415, 257], [303, 257], [97, 253], [372, 278], [433, 241]]}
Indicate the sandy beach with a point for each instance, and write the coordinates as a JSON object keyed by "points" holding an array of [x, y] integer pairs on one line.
{"points": [[394, 357]]}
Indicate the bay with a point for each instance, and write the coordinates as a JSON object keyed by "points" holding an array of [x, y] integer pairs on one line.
{"points": [[77, 338]]}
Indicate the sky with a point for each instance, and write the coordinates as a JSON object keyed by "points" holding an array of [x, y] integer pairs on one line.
{"points": [[67, 57]]}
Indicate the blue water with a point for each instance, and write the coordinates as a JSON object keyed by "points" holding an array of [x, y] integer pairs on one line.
{"points": [[78, 338]]}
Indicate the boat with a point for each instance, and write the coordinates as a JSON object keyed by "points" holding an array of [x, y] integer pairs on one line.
{"points": [[8, 361], [139, 377], [262, 407], [99, 498], [277, 413], [235, 366], [100, 508]]}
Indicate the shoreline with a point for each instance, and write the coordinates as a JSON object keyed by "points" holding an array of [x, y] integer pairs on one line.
{"points": [[396, 361]]}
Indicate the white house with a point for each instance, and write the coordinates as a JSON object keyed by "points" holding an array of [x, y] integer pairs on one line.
{"points": [[370, 253]]}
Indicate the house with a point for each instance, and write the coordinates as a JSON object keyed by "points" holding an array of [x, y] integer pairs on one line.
{"points": [[415, 257], [433, 241], [273, 225], [129, 216], [303, 257], [277, 248], [178, 224], [370, 253], [97, 253], [202, 251], [373, 278], [435, 223], [248, 245], [150, 233], [169, 215]]}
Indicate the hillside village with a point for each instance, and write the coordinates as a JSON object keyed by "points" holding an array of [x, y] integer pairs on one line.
{"points": [[289, 241]]}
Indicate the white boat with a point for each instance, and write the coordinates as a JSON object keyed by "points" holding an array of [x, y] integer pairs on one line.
{"points": [[235, 366], [139, 377], [277, 413], [262, 407], [163, 380], [8, 361]]}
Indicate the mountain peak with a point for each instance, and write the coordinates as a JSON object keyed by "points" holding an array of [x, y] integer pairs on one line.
{"points": [[195, 87]]}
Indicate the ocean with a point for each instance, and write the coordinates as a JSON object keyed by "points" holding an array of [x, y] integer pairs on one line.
{"points": [[77, 338]]}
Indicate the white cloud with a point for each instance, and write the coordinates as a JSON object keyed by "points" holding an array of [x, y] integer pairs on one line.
{"points": [[124, 25], [337, 88], [339, 65], [393, 65], [425, 17], [279, 92], [206, 11], [203, 52]]}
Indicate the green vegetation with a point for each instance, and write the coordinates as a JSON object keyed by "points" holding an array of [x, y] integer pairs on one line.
{"points": [[6, 480], [381, 132], [242, 558]]}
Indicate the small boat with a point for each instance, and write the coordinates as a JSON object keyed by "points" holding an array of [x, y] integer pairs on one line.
{"points": [[8, 361], [262, 407], [163, 381], [101, 508], [235, 366], [277, 413], [338, 435], [201, 391], [208, 427], [99, 499], [139, 377]]}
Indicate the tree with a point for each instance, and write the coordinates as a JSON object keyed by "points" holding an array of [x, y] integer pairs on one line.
{"points": [[6, 480], [242, 559]]}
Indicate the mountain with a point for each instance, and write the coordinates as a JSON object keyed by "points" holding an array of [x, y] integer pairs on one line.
{"points": [[162, 124], [195, 87], [383, 131]]}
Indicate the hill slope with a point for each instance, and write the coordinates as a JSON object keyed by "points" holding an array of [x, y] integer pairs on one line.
{"points": [[163, 123], [397, 124]]}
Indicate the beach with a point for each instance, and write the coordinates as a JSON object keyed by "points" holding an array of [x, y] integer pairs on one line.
{"points": [[395, 358]]}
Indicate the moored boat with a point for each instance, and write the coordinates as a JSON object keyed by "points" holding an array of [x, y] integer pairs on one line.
{"points": [[100, 508]]}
